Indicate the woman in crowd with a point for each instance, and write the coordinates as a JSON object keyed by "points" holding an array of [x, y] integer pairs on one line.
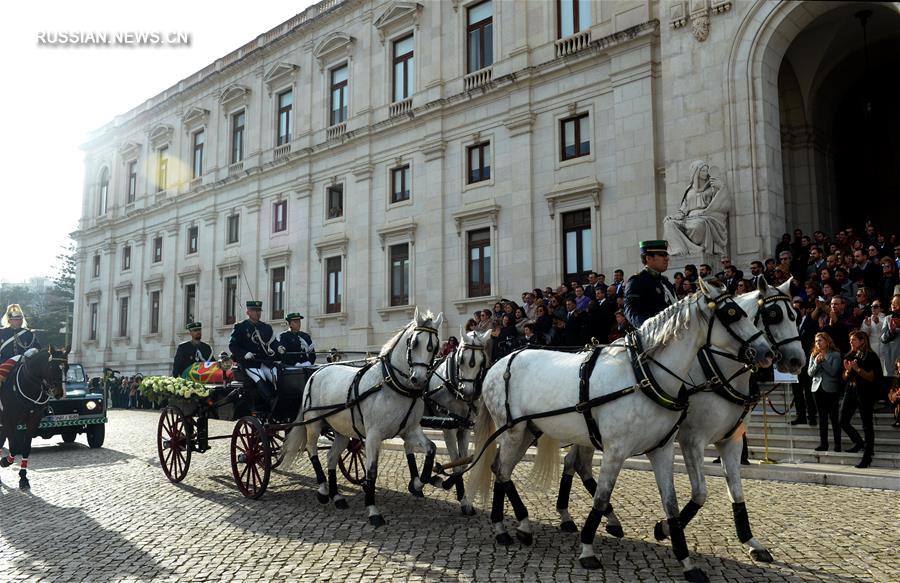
{"points": [[450, 345], [894, 393], [825, 371], [862, 375], [504, 337], [889, 280], [520, 320], [890, 337], [543, 322], [472, 323]]}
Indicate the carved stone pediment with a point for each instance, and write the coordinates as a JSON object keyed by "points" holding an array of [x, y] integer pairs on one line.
{"points": [[333, 45], [280, 74], [161, 134], [194, 118], [129, 150], [234, 96], [397, 15]]}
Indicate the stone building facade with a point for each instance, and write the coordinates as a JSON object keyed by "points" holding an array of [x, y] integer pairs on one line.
{"points": [[368, 156]]}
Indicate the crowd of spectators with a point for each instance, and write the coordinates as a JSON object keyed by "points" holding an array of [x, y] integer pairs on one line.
{"points": [[123, 392]]}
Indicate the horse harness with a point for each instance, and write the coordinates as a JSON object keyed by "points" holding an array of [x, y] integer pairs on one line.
{"points": [[44, 395], [452, 385]]}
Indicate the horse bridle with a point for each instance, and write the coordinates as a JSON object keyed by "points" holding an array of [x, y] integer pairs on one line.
{"points": [[391, 372], [728, 312], [479, 376], [771, 314], [45, 395]]}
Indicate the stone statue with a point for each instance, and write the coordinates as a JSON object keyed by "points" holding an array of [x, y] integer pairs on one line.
{"points": [[701, 223]]}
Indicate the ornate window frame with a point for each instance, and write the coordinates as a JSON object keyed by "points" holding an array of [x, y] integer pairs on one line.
{"points": [[480, 215], [397, 233]]}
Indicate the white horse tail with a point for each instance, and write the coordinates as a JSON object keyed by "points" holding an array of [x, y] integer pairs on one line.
{"points": [[294, 444], [480, 476], [546, 464]]}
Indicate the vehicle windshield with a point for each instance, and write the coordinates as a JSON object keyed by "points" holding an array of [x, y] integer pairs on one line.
{"points": [[75, 374]]}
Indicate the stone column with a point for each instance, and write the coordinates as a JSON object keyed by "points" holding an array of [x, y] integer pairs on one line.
{"points": [[358, 269], [139, 296]]}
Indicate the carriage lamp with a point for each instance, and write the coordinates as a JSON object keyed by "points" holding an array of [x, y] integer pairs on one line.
{"points": [[91, 405]]}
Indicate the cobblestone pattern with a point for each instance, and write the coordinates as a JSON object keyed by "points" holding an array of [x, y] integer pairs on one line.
{"points": [[111, 515]]}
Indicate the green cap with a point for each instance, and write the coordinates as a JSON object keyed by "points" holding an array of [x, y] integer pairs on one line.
{"points": [[255, 304], [293, 316], [194, 326], [654, 246]]}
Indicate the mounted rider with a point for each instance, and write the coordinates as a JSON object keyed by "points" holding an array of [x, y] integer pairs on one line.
{"points": [[16, 340], [254, 347], [299, 349], [191, 351], [649, 292]]}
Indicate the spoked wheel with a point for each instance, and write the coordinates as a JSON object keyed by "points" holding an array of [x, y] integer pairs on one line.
{"points": [[276, 445], [353, 462], [251, 461], [173, 443]]}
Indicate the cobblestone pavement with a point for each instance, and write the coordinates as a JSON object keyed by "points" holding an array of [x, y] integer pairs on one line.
{"points": [[111, 515]]}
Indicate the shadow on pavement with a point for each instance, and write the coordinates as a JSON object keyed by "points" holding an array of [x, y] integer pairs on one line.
{"points": [[65, 456]]}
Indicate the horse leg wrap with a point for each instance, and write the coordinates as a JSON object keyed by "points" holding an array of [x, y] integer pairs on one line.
{"points": [[741, 521], [679, 543], [369, 486], [24, 463], [332, 483], [317, 466], [565, 488], [590, 526], [411, 462], [426, 469], [497, 503], [688, 512], [460, 487], [590, 485], [518, 506]]}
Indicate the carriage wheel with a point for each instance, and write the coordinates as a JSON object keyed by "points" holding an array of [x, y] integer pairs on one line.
{"points": [[353, 462], [251, 462], [174, 438], [276, 445]]}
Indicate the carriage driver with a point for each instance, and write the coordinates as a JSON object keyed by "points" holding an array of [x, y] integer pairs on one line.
{"points": [[191, 351], [649, 292], [254, 346], [16, 340], [298, 345]]}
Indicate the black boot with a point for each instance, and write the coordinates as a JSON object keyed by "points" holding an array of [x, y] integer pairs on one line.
{"points": [[865, 462], [798, 421], [857, 447]]}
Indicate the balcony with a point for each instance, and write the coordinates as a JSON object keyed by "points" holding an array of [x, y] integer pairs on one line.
{"points": [[336, 131], [401, 107], [282, 151], [572, 44], [236, 169], [478, 78]]}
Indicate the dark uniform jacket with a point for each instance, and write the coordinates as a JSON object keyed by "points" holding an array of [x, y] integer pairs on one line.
{"points": [[298, 347], [15, 341], [188, 353], [244, 339], [645, 296]]}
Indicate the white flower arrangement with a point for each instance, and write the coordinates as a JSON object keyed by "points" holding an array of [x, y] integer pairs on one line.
{"points": [[159, 388]]}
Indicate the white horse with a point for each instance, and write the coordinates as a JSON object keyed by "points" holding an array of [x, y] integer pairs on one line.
{"points": [[628, 400], [453, 391], [714, 416], [375, 402]]}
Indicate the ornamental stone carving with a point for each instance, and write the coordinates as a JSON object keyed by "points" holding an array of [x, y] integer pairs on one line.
{"points": [[701, 223]]}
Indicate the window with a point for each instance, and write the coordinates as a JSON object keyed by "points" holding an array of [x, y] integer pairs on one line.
{"points": [[278, 292], [190, 303], [279, 216], [197, 167], [154, 312], [400, 184], [334, 199], [575, 136], [334, 285], [479, 33], [478, 162], [96, 267], [573, 16], [400, 274], [285, 104], [123, 316], [237, 137], [479, 263], [234, 229], [157, 249], [162, 168], [132, 181], [577, 244], [230, 299], [403, 67], [95, 313], [339, 76], [104, 192], [193, 236], [126, 257]]}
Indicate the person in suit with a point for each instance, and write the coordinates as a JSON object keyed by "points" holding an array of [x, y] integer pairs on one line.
{"points": [[254, 347], [649, 292], [803, 397], [756, 273], [573, 335], [299, 349], [191, 351], [824, 369], [862, 375], [601, 316]]}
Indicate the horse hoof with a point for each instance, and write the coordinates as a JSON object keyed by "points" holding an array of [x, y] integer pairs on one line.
{"points": [[322, 498], [591, 563], [526, 538], [413, 491], [468, 510], [696, 575], [24, 485], [568, 526], [761, 555], [615, 530], [376, 520], [341, 504], [658, 532], [504, 539]]}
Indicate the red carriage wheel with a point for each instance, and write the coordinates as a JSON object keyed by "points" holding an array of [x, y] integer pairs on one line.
{"points": [[251, 462], [174, 442], [353, 462], [276, 445]]}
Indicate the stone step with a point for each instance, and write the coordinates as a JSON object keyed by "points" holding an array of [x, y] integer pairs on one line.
{"points": [[809, 441], [808, 455], [882, 419]]}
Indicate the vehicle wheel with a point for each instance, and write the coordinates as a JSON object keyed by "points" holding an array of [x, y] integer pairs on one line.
{"points": [[95, 435], [173, 443], [276, 444], [69, 436], [353, 462], [251, 457]]}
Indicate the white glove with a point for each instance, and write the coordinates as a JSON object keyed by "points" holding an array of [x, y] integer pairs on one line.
{"points": [[281, 350], [30, 352], [249, 356]]}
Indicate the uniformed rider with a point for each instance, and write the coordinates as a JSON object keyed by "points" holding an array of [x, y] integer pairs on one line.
{"points": [[16, 340], [255, 348], [649, 292], [299, 349], [191, 351]]}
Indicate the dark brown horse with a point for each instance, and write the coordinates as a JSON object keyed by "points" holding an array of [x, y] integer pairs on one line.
{"points": [[23, 401]]}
